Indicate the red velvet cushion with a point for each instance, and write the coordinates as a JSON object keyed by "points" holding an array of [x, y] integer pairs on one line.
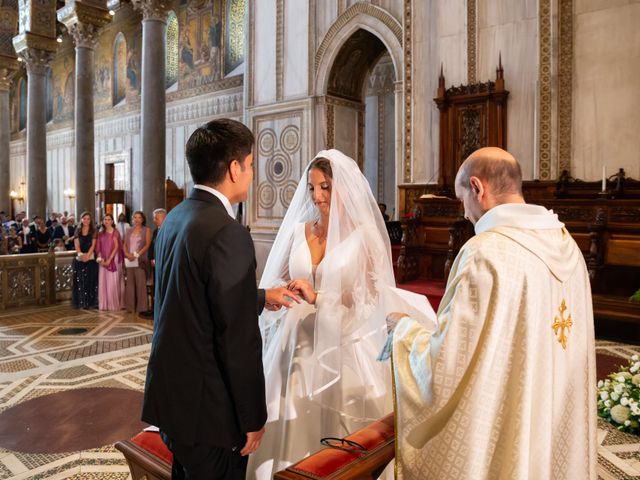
{"points": [[330, 460], [152, 443], [432, 289]]}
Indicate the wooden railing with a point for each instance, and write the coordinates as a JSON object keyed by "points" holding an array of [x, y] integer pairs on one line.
{"points": [[35, 279]]}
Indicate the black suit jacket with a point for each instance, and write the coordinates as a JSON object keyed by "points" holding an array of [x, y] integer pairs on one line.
{"points": [[205, 381]]}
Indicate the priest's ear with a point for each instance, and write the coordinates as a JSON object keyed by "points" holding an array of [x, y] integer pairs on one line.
{"points": [[476, 185]]}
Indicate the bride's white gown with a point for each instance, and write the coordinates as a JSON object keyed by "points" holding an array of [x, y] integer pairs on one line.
{"points": [[296, 423]]}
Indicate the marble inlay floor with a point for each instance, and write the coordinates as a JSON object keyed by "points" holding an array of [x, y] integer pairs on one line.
{"points": [[38, 359]]}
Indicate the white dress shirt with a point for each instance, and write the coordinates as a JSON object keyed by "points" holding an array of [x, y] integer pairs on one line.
{"points": [[225, 201]]}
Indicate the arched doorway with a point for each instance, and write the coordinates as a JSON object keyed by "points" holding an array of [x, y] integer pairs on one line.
{"points": [[360, 104]]}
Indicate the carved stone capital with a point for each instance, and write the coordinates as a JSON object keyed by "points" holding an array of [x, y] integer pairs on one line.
{"points": [[152, 9], [37, 61], [9, 65], [84, 34], [83, 20]]}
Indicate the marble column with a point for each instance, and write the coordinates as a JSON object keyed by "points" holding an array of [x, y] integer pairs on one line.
{"points": [[37, 62], [8, 67], [83, 21], [153, 103], [36, 44], [5, 138]]}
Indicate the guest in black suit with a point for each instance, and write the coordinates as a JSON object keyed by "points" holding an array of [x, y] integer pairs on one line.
{"points": [[65, 232], [205, 383]]}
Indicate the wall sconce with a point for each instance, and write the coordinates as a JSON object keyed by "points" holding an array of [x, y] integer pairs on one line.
{"points": [[15, 195], [69, 193]]}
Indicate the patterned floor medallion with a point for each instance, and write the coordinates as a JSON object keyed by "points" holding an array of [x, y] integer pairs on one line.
{"points": [[101, 372]]}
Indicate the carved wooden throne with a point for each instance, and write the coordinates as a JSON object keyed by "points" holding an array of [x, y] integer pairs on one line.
{"points": [[471, 117]]}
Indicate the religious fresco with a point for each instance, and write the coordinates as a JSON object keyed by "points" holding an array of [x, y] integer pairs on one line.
{"points": [[118, 61], [208, 51], [63, 86], [205, 42]]}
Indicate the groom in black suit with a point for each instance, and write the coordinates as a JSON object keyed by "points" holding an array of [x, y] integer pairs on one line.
{"points": [[205, 383]]}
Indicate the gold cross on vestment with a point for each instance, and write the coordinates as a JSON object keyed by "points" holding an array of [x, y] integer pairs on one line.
{"points": [[560, 323]]}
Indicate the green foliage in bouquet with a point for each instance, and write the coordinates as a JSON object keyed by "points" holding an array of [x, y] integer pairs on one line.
{"points": [[619, 397], [635, 297]]}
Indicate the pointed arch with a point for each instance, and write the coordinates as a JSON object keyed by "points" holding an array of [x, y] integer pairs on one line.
{"points": [[363, 16]]}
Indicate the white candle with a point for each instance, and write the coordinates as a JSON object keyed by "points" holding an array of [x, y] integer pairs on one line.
{"points": [[604, 179]]}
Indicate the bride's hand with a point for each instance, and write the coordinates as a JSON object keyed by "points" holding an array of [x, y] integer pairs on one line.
{"points": [[304, 288]]}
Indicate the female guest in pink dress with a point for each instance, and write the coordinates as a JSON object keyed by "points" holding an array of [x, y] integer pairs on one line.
{"points": [[107, 248], [136, 243]]}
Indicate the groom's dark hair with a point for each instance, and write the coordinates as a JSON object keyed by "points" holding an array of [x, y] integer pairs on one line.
{"points": [[212, 147]]}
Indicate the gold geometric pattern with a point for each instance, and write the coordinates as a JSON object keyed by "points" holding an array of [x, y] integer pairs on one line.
{"points": [[472, 12], [565, 83], [544, 79], [408, 89]]}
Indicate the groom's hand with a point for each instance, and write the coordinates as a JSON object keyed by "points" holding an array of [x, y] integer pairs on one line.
{"points": [[275, 298], [253, 442]]}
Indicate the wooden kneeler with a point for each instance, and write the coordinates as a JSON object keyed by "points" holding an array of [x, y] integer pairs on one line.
{"points": [[335, 464], [150, 459]]}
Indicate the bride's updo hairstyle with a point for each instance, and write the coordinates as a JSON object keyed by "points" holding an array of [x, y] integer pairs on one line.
{"points": [[323, 165]]}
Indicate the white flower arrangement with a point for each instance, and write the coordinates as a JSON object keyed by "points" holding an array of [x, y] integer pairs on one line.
{"points": [[619, 397]]}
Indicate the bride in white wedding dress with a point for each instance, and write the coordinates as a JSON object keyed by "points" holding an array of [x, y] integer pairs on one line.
{"points": [[321, 374]]}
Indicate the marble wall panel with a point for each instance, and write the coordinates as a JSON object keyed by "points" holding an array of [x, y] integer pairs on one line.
{"points": [[511, 29], [606, 96], [296, 49], [264, 57], [440, 40]]}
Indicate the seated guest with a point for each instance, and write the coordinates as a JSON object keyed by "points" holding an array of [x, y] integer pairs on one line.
{"points": [[42, 235], [137, 241], [28, 237], [85, 268], [14, 242], [3, 241]]}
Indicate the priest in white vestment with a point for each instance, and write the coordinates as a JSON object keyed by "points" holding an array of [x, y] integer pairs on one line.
{"points": [[503, 385]]}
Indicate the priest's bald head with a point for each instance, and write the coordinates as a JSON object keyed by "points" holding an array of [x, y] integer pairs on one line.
{"points": [[488, 177]]}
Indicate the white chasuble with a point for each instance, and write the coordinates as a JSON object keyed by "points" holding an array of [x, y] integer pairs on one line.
{"points": [[504, 387]]}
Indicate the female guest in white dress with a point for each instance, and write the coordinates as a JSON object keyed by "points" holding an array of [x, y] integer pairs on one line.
{"points": [[321, 374]]}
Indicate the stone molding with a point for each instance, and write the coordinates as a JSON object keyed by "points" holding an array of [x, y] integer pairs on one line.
{"points": [[154, 10], [29, 40]]}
